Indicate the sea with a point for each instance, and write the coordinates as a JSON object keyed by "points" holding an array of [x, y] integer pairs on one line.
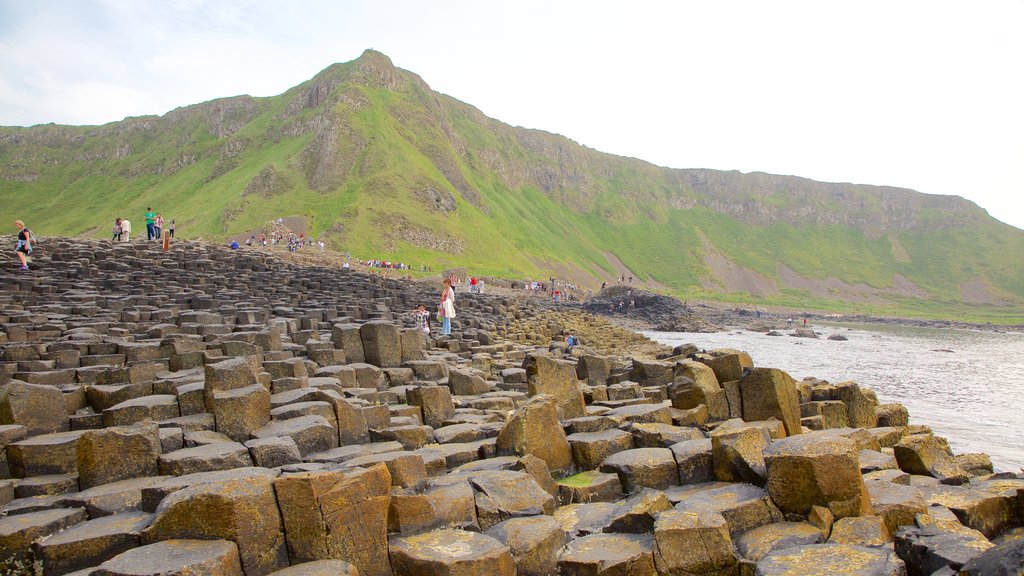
{"points": [[967, 385]]}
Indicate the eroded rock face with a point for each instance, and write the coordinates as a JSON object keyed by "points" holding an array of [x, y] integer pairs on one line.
{"points": [[534, 429], [814, 470], [455, 552]]}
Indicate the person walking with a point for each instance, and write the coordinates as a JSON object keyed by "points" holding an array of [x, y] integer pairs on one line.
{"points": [[170, 230], [158, 224], [116, 231], [150, 221], [25, 241], [447, 307], [126, 230]]}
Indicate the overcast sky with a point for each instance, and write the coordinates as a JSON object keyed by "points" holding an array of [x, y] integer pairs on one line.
{"points": [[927, 94]]}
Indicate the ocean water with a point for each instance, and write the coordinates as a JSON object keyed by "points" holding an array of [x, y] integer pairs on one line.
{"points": [[967, 385]]}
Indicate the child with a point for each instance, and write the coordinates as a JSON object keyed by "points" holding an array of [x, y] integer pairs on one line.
{"points": [[422, 318]]}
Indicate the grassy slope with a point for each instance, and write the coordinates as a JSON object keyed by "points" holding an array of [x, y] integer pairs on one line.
{"points": [[526, 233]]}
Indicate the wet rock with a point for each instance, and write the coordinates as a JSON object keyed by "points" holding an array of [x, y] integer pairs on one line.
{"points": [[453, 552], [810, 469], [534, 429]]}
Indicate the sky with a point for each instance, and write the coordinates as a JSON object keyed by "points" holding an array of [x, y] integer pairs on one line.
{"points": [[927, 95]]}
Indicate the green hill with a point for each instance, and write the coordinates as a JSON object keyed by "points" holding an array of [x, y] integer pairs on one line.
{"points": [[379, 164]]}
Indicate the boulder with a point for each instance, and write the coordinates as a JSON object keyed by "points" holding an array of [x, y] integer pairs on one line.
{"points": [[382, 344], [643, 468], [137, 449], [694, 461], [831, 560], [340, 514], [923, 454], [636, 514], [39, 408], [240, 411], [208, 458], [738, 454], [273, 451], [693, 543], [608, 555], [176, 558], [931, 545], [860, 531], [450, 552], [755, 544], [729, 365], [534, 542], [810, 469], [590, 449], [501, 495], [534, 429], [546, 375], [91, 543], [310, 433], [744, 506], [770, 392], [435, 403], [18, 532], [242, 509]]}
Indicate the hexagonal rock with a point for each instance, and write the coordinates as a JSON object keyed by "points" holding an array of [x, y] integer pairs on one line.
{"points": [[274, 451], [768, 392], [382, 343], [989, 513], [927, 548], [924, 455], [92, 542], [730, 364], [504, 494], [240, 411], [534, 429], [18, 532], [55, 453], [545, 375], [594, 369], [208, 458], [156, 408], [337, 514], [693, 543], [636, 514], [348, 338], [39, 408], [136, 447], [608, 555], [761, 541], [451, 553], [242, 509], [320, 568], [831, 560], [809, 470], [694, 384], [738, 454], [643, 468], [463, 382], [311, 433], [435, 403], [694, 461], [896, 504], [534, 541], [744, 506], [590, 449], [352, 428], [860, 531], [176, 558]]}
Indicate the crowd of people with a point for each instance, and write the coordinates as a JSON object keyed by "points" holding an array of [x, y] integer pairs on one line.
{"points": [[122, 229]]}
